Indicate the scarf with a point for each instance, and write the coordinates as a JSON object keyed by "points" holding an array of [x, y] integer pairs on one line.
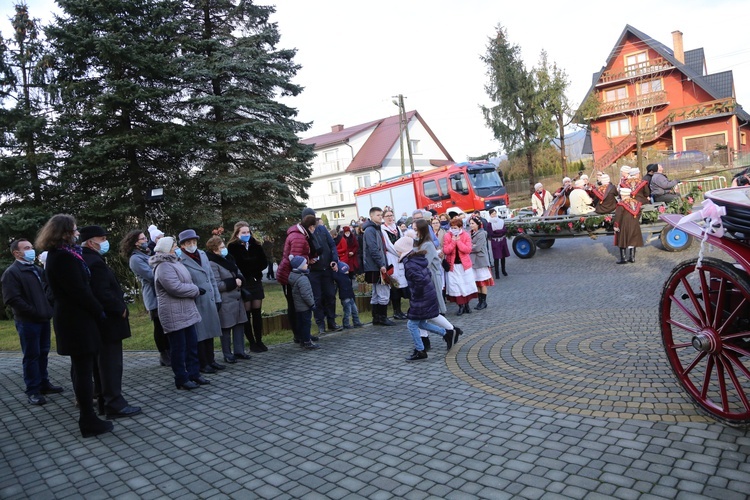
{"points": [[76, 251], [227, 262]]}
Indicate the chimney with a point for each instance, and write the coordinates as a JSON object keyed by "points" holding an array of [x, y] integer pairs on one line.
{"points": [[679, 51], [337, 128]]}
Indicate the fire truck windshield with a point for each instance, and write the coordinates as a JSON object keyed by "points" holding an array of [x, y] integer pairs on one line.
{"points": [[485, 182]]}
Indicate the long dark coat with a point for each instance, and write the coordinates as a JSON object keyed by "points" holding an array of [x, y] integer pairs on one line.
{"points": [[422, 304], [108, 292], [76, 308], [251, 260], [629, 234], [608, 201], [203, 277]]}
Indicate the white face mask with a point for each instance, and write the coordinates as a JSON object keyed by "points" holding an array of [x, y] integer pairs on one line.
{"points": [[191, 248], [455, 231]]}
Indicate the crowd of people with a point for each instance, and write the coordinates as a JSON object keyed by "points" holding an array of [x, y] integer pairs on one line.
{"points": [[194, 295], [625, 200]]}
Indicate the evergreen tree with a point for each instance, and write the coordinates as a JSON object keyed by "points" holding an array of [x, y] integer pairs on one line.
{"points": [[116, 88], [519, 119], [27, 164], [251, 163]]}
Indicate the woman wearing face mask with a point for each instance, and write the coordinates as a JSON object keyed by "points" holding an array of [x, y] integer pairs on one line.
{"points": [[113, 327], [480, 260], [251, 260], [76, 312], [348, 250], [232, 314], [460, 284], [135, 248]]}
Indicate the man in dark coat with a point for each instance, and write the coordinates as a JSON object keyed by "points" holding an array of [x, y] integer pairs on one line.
{"points": [[24, 290], [113, 327], [374, 262], [321, 277]]}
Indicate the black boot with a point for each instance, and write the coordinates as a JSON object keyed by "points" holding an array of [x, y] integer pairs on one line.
{"points": [[257, 315], [632, 254], [426, 342], [382, 315], [460, 310], [622, 257], [482, 302], [396, 303], [497, 269], [502, 267], [467, 308], [417, 355], [448, 338]]}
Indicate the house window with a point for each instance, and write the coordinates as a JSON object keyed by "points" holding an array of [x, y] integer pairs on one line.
{"points": [[617, 94], [334, 186], [618, 127], [331, 156], [415, 147], [363, 181], [337, 214], [743, 138], [650, 86], [636, 63]]}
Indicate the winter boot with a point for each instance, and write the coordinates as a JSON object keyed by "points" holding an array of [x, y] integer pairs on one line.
{"points": [[482, 302], [622, 257], [632, 254], [448, 337], [417, 355], [497, 269], [426, 342], [467, 308], [396, 303], [384, 316], [502, 267]]}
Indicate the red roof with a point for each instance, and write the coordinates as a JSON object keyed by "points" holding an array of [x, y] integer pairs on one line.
{"points": [[382, 139]]}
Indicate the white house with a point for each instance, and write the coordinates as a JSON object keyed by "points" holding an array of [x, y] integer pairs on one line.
{"points": [[353, 157]]}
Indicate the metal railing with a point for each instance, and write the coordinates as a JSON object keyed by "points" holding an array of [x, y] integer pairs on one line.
{"points": [[332, 200], [329, 167]]}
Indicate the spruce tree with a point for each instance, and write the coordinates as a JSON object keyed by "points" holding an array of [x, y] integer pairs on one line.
{"points": [[116, 87], [251, 163], [27, 163]]}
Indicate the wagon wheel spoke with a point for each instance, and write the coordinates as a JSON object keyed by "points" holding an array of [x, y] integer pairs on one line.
{"points": [[706, 292], [722, 385], [738, 350], [720, 304], [685, 310], [732, 316], [693, 364], [707, 377], [735, 381], [681, 345]]}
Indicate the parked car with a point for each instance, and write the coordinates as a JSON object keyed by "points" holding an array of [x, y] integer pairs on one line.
{"points": [[692, 159]]}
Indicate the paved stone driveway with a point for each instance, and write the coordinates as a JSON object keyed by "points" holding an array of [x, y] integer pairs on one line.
{"points": [[558, 390]]}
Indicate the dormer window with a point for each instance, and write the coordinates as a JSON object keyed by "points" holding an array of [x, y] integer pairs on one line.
{"points": [[636, 63]]}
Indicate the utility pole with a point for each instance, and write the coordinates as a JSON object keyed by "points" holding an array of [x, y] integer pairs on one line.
{"points": [[403, 127]]}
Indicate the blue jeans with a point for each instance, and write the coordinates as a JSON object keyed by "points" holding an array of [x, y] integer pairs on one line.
{"points": [[414, 325], [303, 325], [183, 349], [35, 343], [350, 309]]}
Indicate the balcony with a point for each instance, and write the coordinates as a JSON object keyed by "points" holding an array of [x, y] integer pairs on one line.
{"points": [[332, 200], [635, 71], [321, 169], [703, 110], [649, 100]]}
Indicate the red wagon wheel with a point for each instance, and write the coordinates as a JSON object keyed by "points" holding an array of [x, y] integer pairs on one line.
{"points": [[705, 324]]}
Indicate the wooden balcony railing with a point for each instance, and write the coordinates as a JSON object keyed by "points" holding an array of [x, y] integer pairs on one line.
{"points": [[639, 70], [703, 110], [649, 100]]}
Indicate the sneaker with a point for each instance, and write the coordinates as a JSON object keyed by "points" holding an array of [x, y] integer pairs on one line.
{"points": [[36, 399], [310, 346], [417, 355]]}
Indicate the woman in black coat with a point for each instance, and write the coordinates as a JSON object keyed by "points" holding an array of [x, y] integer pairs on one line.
{"points": [[250, 258], [75, 315]]}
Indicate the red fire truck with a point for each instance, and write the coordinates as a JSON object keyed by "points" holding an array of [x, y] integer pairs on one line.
{"points": [[469, 186]]}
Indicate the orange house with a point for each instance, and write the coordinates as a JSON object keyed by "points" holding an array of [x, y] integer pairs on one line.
{"points": [[664, 99]]}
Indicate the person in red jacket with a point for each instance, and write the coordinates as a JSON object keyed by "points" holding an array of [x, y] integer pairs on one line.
{"points": [[298, 242], [348, 250], [460, 285]]}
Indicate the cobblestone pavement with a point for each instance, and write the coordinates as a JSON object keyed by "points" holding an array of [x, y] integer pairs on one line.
{"points": [[560, 389]]}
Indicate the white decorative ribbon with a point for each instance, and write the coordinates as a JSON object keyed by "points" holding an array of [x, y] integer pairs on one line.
{"points": [[710, 213]]}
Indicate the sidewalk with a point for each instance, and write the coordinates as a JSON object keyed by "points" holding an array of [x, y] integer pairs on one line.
{"points": [[559, 389]]}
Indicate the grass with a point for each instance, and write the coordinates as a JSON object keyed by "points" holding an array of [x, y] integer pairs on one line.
{"points": [[141, 328]]}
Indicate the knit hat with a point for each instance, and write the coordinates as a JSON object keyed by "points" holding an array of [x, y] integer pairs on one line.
{"points": [[343, 267], [296, 261], [154, 232], [604, 179], [538, 186], [625, 168], [403, 246], [625, 193], [634, 172], [579, 183], [307, 211], [164, 245], [566, 179], [584, 177], [652, 167]]}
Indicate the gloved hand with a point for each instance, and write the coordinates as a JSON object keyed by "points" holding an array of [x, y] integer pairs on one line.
{"points": [[201, 291]]}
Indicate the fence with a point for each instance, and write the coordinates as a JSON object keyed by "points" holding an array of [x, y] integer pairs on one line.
{"points": [[703, 184]]}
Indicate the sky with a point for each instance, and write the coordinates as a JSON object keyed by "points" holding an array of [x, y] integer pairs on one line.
{"points": [[355, 56]]}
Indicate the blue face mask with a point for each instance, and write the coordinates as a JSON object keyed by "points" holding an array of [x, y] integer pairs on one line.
{"points": [[178, 252], [245, 238], [224, 252], [29, 255], [104, 247]]}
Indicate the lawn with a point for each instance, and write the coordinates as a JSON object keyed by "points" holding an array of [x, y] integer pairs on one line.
{"points": [[142, 338]]}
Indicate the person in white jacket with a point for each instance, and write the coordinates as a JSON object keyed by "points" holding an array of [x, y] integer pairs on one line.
{"points": [[580, 201], [540, 200]]}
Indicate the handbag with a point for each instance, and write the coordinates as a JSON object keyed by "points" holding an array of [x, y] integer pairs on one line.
{"points": [[446, 265]]}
